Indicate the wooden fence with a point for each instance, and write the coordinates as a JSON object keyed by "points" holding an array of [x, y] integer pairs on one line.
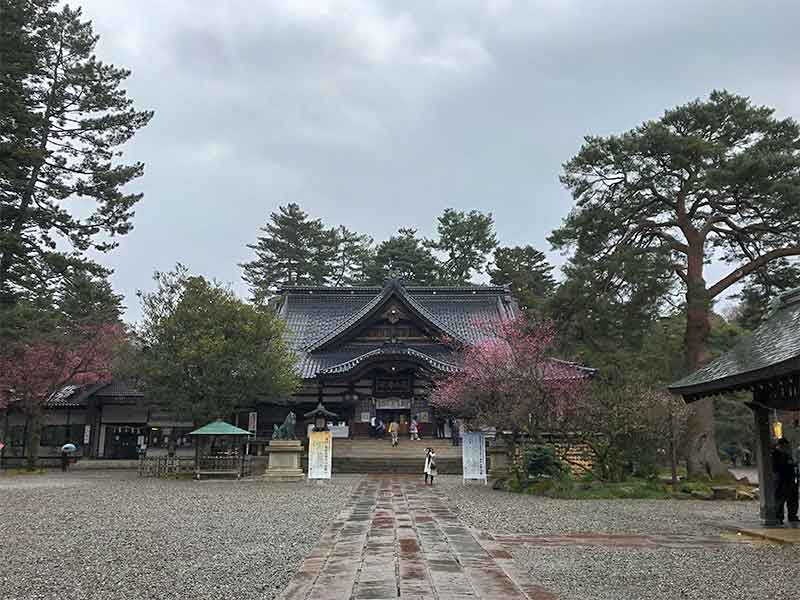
{"points": [[176, 466]]}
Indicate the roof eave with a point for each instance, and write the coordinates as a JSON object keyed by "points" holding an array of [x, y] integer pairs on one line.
{"points": [[736, 382]]}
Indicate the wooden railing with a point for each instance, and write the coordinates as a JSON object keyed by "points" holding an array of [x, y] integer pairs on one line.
{"points": [[174, 466]]}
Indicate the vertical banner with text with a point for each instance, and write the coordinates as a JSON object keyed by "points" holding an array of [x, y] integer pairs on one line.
{"points": [[320, 454], [474, 455]]}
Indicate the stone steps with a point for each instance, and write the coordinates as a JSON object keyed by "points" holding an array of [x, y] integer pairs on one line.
{"points": [[398, 466]]}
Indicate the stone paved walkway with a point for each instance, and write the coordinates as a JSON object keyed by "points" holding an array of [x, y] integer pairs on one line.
{"points": [[398, 539]]}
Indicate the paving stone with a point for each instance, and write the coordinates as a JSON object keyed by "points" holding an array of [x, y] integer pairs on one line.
{"points": [[399, 539]]}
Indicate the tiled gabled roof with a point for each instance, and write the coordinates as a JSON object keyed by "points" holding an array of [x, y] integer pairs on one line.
{"points": [[370, 309], [320, 319], [773, 351], [312, 313]]}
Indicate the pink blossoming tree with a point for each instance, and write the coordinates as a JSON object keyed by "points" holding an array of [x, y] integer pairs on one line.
{"points": [[510, 380], [31, 371]]}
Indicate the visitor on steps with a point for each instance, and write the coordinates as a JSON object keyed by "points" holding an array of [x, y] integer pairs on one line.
{"points": [[430, 465], [413, 429], [394, 431], [373, 427], [451, 422]]}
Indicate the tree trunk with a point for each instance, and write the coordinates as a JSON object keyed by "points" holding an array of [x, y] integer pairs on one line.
{"points": [[34, 436], [702, 457]]}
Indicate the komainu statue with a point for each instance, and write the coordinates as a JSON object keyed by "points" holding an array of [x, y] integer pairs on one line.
{"points": [[285, 431]]}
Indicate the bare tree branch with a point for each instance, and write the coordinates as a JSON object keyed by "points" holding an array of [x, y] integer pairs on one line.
{"points": [[738, 274]]}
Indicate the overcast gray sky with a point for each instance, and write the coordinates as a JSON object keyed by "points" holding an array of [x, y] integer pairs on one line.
{"points": [[381, 114]]}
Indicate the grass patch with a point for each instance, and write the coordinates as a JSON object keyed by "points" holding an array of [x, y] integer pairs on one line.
{"points": [[17, 472], [626, 490], [631, 489]]}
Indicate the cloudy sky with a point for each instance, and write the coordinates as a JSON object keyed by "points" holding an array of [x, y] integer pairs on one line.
{"points": [[381, 114]]}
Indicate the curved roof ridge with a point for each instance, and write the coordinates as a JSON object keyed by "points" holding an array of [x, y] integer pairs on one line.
{"points": [[390, 350]]}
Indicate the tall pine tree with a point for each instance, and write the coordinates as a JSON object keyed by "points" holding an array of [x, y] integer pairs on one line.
{"points": [[465, 239], [403, 256], [293, 250], [717, 178], [353, 254], [64, 115], [527, 271]]}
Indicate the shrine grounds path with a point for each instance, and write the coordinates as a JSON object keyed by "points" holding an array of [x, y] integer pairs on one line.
{"points": [[114, 536]]}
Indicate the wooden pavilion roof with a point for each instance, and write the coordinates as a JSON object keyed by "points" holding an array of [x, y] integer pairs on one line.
{"points": [[768, 362]]}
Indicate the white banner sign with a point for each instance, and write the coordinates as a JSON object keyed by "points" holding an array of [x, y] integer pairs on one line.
{"points": [[252, 422], [474, 455], [320, 453]]}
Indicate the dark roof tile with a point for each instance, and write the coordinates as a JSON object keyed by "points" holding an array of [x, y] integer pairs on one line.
{"points": [[772, 350]]}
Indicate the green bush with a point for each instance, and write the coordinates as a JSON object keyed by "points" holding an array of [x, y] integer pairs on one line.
{"points": [[541, 463]]}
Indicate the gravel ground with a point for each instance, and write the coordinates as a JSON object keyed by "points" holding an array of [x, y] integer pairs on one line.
{"points": [[485, 508], [758, 571], [112, 535], [734, 572]]}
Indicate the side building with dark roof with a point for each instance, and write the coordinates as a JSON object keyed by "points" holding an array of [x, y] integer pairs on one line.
{"points": [[104, 420]]}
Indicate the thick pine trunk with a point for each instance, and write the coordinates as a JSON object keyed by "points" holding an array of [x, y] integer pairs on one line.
{"points": [[702, 457]]}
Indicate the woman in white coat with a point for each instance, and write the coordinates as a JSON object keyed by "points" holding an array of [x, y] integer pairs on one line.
{"points": [[430, 465]]}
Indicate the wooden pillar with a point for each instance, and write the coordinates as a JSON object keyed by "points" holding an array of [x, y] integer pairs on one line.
{"points": [[766, 478]]}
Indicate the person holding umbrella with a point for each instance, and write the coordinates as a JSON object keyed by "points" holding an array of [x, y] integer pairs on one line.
{"points": [[66, 450]]}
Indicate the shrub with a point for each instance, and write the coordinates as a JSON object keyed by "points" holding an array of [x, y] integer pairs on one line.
{"points": [[541, 463]]}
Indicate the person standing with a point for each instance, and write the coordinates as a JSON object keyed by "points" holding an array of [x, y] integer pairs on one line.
{"points": [[430, 465], [451, 422], [440, 428], [64, 460], [413, 429], [394, 430], [785, 470], [373, 427]]}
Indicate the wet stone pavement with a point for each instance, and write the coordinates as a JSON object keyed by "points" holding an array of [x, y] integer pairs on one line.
{"points": [[397, 538]]}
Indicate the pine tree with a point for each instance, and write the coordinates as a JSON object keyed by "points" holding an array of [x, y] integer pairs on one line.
{"points": [[527, 271], [715, 178], [293, 250], [353, 254], [403, 256], [465, 239], [64, 115]]}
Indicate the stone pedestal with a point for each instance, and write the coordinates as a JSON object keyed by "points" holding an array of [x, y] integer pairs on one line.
{"points": [[284, 461], [499, 463]]}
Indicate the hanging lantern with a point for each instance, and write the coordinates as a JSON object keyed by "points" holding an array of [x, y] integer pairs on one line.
{"points": [[777, 430]]}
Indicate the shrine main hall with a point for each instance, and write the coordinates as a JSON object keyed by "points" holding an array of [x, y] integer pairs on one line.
{"points": [[368, 352]]}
